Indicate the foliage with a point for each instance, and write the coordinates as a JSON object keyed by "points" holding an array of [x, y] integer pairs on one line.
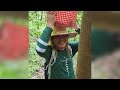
{"points": [[36, 24]]}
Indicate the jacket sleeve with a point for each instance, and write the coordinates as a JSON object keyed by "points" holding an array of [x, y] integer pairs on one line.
{"points": [[74, 46], [42, 47], [78, 31]]}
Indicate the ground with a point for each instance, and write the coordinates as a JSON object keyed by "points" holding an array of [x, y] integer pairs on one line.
{"points": [[107, 67]]}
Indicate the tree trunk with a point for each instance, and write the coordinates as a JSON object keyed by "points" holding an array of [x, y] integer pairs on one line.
{"points": [[83, 70]]}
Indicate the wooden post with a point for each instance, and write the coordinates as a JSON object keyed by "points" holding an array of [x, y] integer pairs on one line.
{"points": [[83, 70]]}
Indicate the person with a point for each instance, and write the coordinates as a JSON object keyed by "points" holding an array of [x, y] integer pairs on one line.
{"points": [[62, 66]]}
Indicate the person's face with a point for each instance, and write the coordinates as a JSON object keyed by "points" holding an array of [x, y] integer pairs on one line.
{"points": [[60, 41]]}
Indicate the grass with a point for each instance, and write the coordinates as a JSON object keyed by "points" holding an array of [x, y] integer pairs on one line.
{"points": [[14, 70]]}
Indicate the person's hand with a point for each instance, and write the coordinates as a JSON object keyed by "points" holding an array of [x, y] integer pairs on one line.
{"points": [[50, 19], [76, 27]]}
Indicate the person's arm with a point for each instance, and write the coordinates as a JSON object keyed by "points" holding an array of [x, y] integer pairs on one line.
{"points": [[74, 46], [78, 30], [42, 42], [42, 47]]}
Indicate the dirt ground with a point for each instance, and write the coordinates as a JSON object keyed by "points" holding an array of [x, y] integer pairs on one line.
{"points": [[107, 67]]}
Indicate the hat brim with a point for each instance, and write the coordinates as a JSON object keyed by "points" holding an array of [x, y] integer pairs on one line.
{"points": [[70, 35]]}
